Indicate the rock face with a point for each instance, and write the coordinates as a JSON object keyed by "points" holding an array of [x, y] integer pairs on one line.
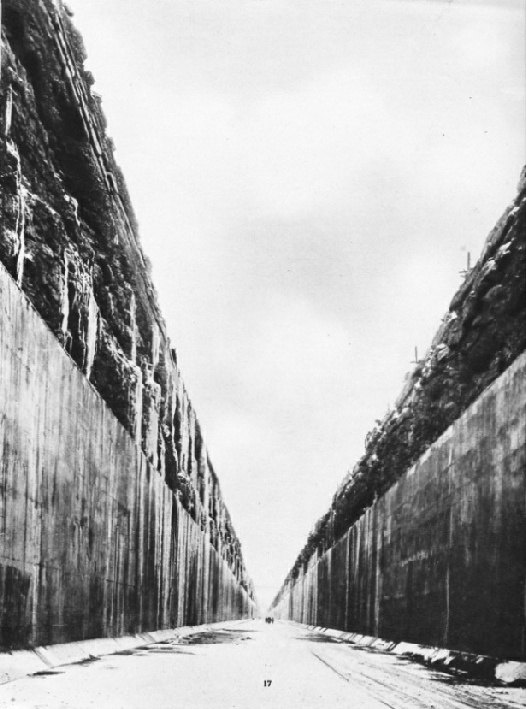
{"points": [[482, 334], [68, 237], [394, 510]]}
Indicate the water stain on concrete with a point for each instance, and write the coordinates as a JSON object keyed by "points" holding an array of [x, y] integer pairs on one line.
{"points": [[215, 638]]}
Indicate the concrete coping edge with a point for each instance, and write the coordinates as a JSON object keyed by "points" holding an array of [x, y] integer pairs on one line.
{"points": [[508, 672], [21, 663]]}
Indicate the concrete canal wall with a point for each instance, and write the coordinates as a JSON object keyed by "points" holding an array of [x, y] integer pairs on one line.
{"points": [[93, 543], [440, 558]]}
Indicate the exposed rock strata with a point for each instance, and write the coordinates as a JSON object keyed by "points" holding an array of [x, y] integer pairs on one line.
{"points": [[68, 235], [483, 332]]}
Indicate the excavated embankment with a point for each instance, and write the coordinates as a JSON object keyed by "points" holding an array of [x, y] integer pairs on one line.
{"points": [[111, 515], [425, 539]]}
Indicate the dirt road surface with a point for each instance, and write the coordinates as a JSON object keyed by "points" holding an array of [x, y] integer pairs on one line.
{"points": [[251, 665]]}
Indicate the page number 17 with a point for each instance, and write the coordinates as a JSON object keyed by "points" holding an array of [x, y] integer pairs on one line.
{"points": [[267, 683]]}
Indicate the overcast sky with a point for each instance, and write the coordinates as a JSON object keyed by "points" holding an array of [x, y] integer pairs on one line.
{"points": [[308, 176]]}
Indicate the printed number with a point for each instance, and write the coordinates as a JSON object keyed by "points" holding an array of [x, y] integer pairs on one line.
{"points": [[267, 683]]}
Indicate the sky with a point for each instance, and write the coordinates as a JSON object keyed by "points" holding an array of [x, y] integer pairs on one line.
{"points": [[309, 177]]}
